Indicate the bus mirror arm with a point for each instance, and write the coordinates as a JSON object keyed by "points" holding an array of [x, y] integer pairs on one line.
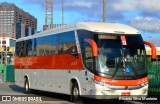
{"points": [[94, 46], [153, 49]]}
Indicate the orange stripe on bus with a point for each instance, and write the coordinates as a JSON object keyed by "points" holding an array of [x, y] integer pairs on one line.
{"points": [[121, 82], [60, 61]]}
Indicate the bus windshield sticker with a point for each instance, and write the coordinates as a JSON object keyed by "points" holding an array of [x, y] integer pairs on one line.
{"points": [[128, 70], [123, 39], [107, 37]]}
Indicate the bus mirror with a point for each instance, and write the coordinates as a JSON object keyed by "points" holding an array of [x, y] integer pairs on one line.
{"points": [[94, 46], [153, 49]]}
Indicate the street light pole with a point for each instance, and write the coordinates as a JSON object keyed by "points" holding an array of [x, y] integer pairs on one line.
{"points": [[104, 10], [157, 36], [62, 12]]}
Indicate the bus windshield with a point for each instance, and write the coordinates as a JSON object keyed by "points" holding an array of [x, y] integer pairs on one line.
{"points": [[120, 60]]}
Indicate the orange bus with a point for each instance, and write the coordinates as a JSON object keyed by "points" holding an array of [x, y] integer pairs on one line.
{"points": [[84, 59]]}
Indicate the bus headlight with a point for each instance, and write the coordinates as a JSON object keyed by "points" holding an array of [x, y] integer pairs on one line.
{"points": [[101, 83], [97, 82], [144, 84]]}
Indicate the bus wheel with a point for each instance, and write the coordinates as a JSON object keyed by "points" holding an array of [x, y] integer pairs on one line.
{"points": [[75, 92], [26, 86]]}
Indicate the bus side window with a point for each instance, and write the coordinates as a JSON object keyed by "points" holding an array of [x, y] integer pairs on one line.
{"points": [[29, 47], [18, 49], [25, 48], [21, 48], [37, 52], [33, 52], [88, 58]]}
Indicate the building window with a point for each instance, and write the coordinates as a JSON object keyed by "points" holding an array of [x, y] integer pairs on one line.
{"points": [[3, 42], [7, 48], [3, 45]]}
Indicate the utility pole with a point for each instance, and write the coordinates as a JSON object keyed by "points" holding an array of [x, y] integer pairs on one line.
{"points": [[62, 12], [157, 36], [104, 10]]}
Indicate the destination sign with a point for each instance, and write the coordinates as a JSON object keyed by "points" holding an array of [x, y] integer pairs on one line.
{"points": [[107, 37]]}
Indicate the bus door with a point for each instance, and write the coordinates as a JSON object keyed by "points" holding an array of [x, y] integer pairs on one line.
{"points": [[90, 65]]}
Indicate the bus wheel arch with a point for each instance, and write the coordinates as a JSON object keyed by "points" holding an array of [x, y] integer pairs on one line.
{"points": [[74, 90], [26, 85]]}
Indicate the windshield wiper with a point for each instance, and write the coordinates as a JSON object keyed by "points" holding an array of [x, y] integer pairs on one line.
{"points": [[117, 68]]}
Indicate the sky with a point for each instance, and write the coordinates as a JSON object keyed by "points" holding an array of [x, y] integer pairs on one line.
{"points": [[143, 15]]}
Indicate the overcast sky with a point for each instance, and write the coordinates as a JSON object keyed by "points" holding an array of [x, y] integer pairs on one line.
{"points": [[141, 14]]}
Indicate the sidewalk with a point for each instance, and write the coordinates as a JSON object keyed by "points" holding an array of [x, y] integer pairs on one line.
{"points": [[1, 81]]}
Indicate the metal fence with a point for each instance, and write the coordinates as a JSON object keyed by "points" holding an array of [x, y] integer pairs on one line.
{"points": [[154, 77]]}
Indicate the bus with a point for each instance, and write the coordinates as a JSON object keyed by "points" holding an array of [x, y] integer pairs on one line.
{"points": [[89, 59]]}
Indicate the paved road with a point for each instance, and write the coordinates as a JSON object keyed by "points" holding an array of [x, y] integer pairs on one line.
{"points": [[0, 77], [52, 98], [12, 90]]}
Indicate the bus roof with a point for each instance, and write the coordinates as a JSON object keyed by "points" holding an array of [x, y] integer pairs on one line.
{"points": [[100, 27], [106, 27]]}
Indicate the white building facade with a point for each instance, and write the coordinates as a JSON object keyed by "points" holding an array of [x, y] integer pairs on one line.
{"points": [[7, 42]]}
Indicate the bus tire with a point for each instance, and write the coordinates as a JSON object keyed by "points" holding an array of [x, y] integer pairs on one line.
{"points": [[26, 86], [75, 93]]}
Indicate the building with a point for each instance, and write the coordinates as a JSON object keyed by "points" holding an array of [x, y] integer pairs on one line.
{"points": [[7, 42], [7, 50], [14, 23], [10, 16]]}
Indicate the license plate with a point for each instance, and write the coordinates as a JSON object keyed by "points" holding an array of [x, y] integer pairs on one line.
{"points": [[125, 94]]}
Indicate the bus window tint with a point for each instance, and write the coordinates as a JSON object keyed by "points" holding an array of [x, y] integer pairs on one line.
{"points": [[110, 49], [64, 43], [85, 50], [89, 58], [112, 55], [18, 48]]}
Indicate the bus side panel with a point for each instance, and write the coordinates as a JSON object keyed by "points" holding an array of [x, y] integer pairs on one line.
{"points": [[51, 80], [19, 78], [20, 75]]}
